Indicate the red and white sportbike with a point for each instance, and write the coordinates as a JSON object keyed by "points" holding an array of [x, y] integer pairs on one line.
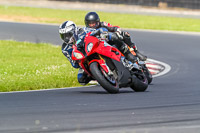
{"points": [[108, 66]]}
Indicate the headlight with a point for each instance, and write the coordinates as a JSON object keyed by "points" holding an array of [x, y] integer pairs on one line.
{"points": [[78, 55], [89, 47]]}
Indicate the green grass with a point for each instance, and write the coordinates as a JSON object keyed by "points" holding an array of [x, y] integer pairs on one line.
{"points": [[57, 16], [29, 66]]}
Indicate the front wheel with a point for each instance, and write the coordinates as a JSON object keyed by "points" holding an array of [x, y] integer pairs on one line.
{"points": [[106, 81]]}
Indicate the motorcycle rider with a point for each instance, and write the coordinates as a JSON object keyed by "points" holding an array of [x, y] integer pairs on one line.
{"points": [[70, 33], [92, 20]]}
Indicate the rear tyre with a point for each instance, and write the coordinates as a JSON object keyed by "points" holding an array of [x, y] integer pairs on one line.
{"points": [[111, 86], [140, 83], [147, 74]]}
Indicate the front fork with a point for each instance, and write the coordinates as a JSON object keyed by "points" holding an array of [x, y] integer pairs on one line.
{"points": [[105, 68]]}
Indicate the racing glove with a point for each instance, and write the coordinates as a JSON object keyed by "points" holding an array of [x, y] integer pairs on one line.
{"points": [[104, 36]]}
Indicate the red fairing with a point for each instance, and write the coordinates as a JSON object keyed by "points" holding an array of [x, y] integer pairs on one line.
{"points": [[101, 48], [88, 40], [83, 67], [95, 46], [109, 51], [76, 51], [101, 63]]}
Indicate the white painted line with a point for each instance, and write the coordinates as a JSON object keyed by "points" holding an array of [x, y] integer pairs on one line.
{"points": [[166, 69], [154, 71], [46, 89], [154, 66]]}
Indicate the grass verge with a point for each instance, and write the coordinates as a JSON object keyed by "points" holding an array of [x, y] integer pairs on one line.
{"points": [[29, 66], [57, 16]]}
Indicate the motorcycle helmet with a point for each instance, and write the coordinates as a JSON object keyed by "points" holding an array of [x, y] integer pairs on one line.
{"points": [[92, 20], [67, 30]]}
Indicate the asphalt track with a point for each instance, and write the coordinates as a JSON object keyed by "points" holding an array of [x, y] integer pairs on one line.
{"points": [[171, 103]]}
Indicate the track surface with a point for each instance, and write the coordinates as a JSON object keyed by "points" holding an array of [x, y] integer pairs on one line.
{"points": [[171, 103]]}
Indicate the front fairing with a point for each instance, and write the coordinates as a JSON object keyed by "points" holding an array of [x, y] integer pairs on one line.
{"points": [[91, 44], [101, 47], [77, 54]]}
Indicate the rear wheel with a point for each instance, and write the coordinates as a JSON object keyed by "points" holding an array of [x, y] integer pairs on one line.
{"points": [[140, 82], [147, 74], [108, 82]]}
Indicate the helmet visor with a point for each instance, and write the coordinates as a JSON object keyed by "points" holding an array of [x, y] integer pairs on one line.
{"points": [[92, 24], [66, 36]]}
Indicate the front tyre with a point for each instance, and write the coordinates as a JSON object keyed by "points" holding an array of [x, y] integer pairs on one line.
{"points": [[109, 85]]}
